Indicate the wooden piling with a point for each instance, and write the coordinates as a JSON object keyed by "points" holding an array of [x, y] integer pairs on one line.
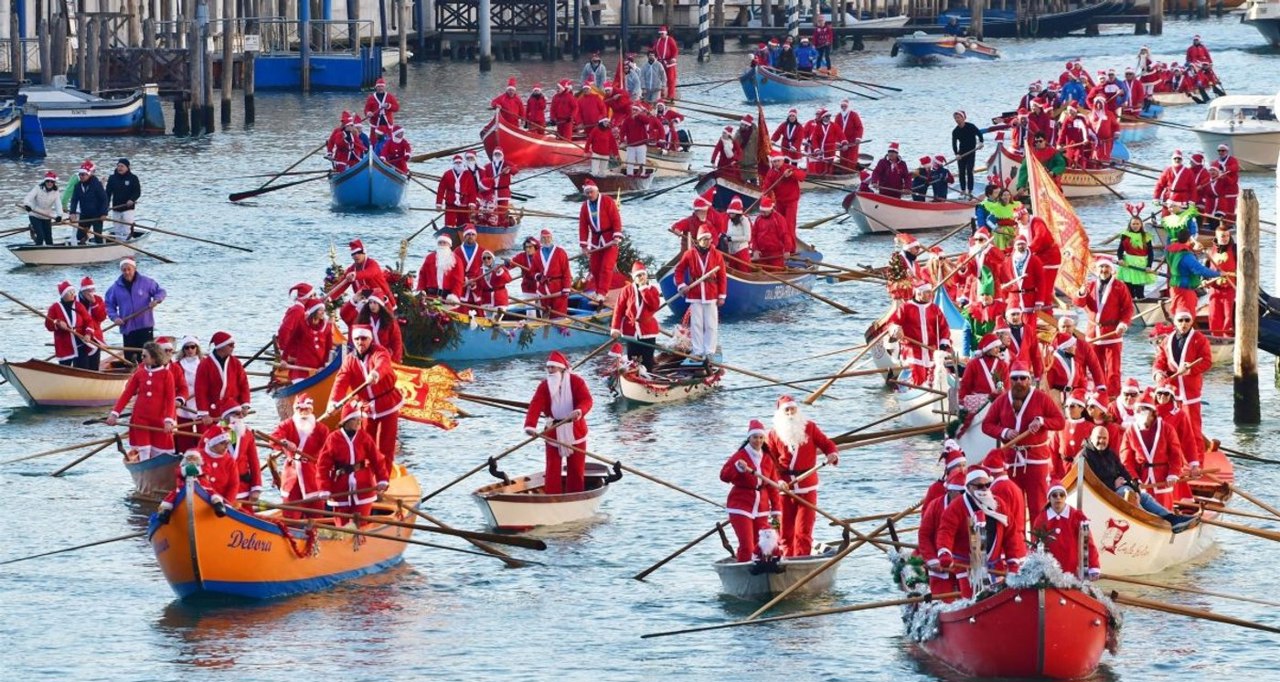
{"points": [[82, 51], [304, 42], [46, 51], [484, 24], [89, 68], [402, 22], [975, 22], [1247, 405], [1156, 19], [195, 69], [228, 59], [58, 49], [251, 26]]}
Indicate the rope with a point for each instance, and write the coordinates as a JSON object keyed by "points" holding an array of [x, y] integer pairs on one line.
{"points": [[309, 549]]}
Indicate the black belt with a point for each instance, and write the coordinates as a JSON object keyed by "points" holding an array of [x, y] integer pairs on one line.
{"points": [[432, 291], [348, 469]]}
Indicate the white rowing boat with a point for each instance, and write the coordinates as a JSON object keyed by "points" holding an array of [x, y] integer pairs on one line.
{"points": [[520, 504], [879, 214], [68, 253], [759, 581], [48, 384]]}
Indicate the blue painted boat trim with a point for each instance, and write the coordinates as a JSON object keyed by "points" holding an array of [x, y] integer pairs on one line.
{"points": [[372, 183], [300, 386], [275, 590], [152, 463], [773, 89], [745, 298], [926, 48]]}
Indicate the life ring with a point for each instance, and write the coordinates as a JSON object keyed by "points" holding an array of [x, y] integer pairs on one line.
{"points": [[960, 48]]}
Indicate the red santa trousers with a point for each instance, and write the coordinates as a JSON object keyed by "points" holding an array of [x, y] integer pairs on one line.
{"points": [[574, 481], [671, 81], [748, 530], [1109, 358], [1033, 479], [1222, 311], [789, 210], [1045, 284], [150, 443], [797, 523], [602, 263], [384, 431], [944, 585]]}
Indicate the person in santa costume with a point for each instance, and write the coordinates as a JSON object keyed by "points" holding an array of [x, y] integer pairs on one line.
{"points": [[922, 330], [1061, 527], [736, 242], [212, 467], [457, 194], [1125, 408], [189, 359], [1085, 352], [1030, 415], [552, 275], [1100, 455], [294, 316], [703, 214], [468, 257], [496, 176], [752, 504], [381, 106], [1110, 307], [891, 177], [346, 145], [1152, 452], [154, 417], [1020, 338], [303, 439], [1176, 182], [221, 383], [985, 375], [70, 323], [952, 458], [826, 139], [789, 137], [1222, 290], [1067, 442], [491, 288], [795, 442], [244, 449], [1066, 371], [1008, 492], [509, 106], [850, 124], [667, 51], [769, 238], [599, 234], [397, 151], [89, 356], [637, 135], [351, 467], [374, 313], [704, 298], [999, 542], [633, 317], [364, 273], [181, 390], [1183, 357], [369, 373], [726, 157], [1175, 417], [950, 487], [564, 399], [308, 348], [783, 180], [535, 110], [1026, 271], [441, 275], [602, 146], [525, 262], [564, 109]]}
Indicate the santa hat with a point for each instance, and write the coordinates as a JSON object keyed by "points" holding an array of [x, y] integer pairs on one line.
{"points": [[1056, 485], [748, 119], [893, 146], [397, 133], [215, 435], [165, 342], [356, 246], [776, 156], [755, 428], [1195, 37], [1013, 304], [735, 205], [728, 129], [299, 290], [64, 286], [982, 233], [380, 81], [86, 284], [303, 402], [608, 85], [977, 474], [591, 80], [457, 158], [352, 410], [468, 229], [362, 330], [1098, 398], [444, 240], [545, 233], [50, 175], [314, 305], [1131, 385], [615, 351], [700, 203], [128, 261], [1148, 400], [86, 167], [1183, 313], [470, 154], [220, 339], [921, 286], [994, 462], [1177, 154], [940, 160], [511, 83], [1197, 158], [638, 268], [988, 342], [557, 359], [190, 340], [1065, 341], [1166, 386], [376, 298], [793, 112], [564, 83], [345, 118], [662, 29], [904, 240], [1104, 260], [1223, 148], [1021, 239], [1077, 397], [1020, 369], [955, 480], [704, 230], [924, 160], [785, 401]]}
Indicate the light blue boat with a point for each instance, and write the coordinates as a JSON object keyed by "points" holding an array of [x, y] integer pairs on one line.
{"points": [[766, 85], [64, 110], [21, 133], [371, 183], [751, 293], [1142, 130], [516, 337]]}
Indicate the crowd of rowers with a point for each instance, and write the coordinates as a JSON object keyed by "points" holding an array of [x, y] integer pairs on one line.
{"points": [[351, 141]]}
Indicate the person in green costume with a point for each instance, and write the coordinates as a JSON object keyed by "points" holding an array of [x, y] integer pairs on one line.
{"points": [[1136, 254], [1050, 157]]}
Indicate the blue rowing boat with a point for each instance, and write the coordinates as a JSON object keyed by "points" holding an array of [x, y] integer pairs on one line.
{"points": [[766, 85], [1141, 129], [64, 110], [752, 293], [921, 48], [371, 183], [513, 337]]}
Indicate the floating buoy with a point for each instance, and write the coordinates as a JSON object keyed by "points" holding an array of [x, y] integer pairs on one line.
{"points": [[960, 48]]}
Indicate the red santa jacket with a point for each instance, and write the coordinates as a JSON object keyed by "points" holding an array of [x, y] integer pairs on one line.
{"points": [[314, 342], [510, 107], [295, 316], [694, 264], [350, 462], [551, 270], [825, 141], [1003, 422], [891, 179], [1067, 444], [563, 106], [1067, 372], [790, 138], [380, 109], [1197, 54], [382, 392], [1179, 421], [397, 153], [367, 275], [1178, 184], [578, 398], [983, 376], [1152, 455], [619, 105], [529, 270], [599, 222], [218, 477], [793, 462], [601, 141], [952, 539], [591, 108], [1230, 167], [345, 148], [633, 315], [1014, 500], [472, 263], [1024, 281], [636, 129], [1195, 354], [429, 279], [491, 288], [498, 179], [688, 226], [154, 397], [64, 342], [535, 111], [1109, 305], [1043, 244], [850, 126], [923, 325], [248, 467], [666, 49], [300, 470], [1027, 349], [1088, 357], [1063, 532], [98, 309], [785, 188], [927, 534], [726, 156], [749, 496], [221, 386], [457, 190], [1223, 259], [771, 236]]}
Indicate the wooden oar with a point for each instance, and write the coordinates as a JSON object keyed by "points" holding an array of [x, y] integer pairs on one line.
{"points": [[687, 546], [513, 540], [659, 192], [241, 196], [751, 267], [628, 469], [153, 228], [1240, 528], [1244, 455], [427, 156], [124, 242], [520, 404], [92, 343], [276, 175], [1098, 180], [806, 614], [299, 523], [837, 351], [63, 449], [130, 536], [549, 170], [495, 458], [295, 164], [1192, 613], [817, 393], [334, 407], [846, 436], [786, 490], [890, 437], [821, 377], [1191, 590], [507, 559], [873, 517], [814, 223], [82, 458]]}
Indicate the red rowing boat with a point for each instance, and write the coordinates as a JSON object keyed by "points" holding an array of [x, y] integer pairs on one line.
{"points": [[527, 148]]}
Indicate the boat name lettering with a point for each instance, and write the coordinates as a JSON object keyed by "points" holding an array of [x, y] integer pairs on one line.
{"points": [[251, 543], [79, 112]]}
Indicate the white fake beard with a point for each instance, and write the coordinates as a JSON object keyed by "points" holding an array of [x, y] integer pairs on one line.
{"points": [[444, 262], [985, 498], [237, 424], [306, 424], [790, 428], [767, 542]]}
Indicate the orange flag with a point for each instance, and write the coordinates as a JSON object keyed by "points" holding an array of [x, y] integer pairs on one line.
{"points": [[428, 393], [1051, 206]]}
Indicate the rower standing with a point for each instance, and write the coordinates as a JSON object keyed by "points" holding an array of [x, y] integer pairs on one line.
{"points": [[123, 191], [633, 315], [306, 438], [69, 321], [130, 301], [90, 355], [210, 465], [221, 387], [753, 504], [42, 207], [704, 298], [381, 106], [369, 374], [1027, 413], [795, 442], [891, 177], [88, 204], [562, 396], [667, 51], [350, 467]]}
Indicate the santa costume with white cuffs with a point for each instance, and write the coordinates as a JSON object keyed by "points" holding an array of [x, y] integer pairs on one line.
{"points": [[350, 462], [300, 480], [154, 408], [983, 510], [940, 581], [795, 442], [556, 398], [751, 501], [221, 383], [375, 371]]}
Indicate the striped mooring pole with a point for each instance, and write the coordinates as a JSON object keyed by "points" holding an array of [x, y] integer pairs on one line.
{"points": [[704, 31], [793, 19]]}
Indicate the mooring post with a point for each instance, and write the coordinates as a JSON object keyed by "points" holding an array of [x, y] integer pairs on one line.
{"points": [[250, 60], [228, 59], [484, 23], [1156, 17], [1248, 408], [704, 31]]}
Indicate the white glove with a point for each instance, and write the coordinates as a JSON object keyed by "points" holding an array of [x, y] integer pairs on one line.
{"points": [[982, 145], [741, 466], [682, 288], [530, 431], [575, 415], [1171, 478], [1036, 425], [1007, 434], [452, 298], [1122, 327], [373, 377], [1094, 573], [615, 333]]}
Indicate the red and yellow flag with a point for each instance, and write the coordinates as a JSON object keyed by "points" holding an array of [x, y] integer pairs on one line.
{"points": [[1050, 205], [428, 393]]}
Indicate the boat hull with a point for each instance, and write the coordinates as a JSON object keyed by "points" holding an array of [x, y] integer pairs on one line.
{"points": [[1265, 16], [728, 190], [1171, 99], [878, 214], [1136, 131], [245, 556], [66, 111], [1075, 184], [508, 339], [48, 384], [528, 149], [748, 294], [658, 390], [738, 581], [612, 183], [1256, 151], [668, 164], [67, 254], [767, 86], [519, 506], [155, 477], [1049, 633], [371, 183], [927, 49], [317, 386]]}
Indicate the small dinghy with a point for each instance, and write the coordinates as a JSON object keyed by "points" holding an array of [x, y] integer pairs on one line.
{"points": [[516, 505]]}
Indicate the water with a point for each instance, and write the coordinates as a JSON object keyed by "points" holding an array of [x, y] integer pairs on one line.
{"points": [[107, 614]]}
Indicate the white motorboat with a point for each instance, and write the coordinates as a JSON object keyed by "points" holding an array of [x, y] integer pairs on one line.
{"points": [[1248, 125], [1264, 15]]}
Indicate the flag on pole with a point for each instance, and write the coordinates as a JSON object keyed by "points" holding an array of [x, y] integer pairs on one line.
{"points": [[1050, 205], [428, 393]]}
